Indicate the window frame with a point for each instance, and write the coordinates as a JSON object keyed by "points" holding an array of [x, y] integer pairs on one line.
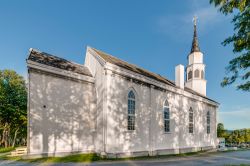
{"points": [[191, 120], [202, 74], [166, 117], [197, 73], [190, 74], [208, 120], [131, 108]]}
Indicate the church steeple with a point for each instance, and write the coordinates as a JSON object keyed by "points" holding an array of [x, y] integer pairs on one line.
{"points": [[195, 44], [195, 71]]}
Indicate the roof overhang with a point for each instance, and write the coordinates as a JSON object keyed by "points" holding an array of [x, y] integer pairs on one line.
{"points": [[57, 71]]}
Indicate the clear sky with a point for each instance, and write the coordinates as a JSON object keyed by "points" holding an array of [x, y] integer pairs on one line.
{"points": [[153, 34]]}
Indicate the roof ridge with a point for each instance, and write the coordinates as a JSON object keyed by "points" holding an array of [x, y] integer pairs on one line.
{"points": [[114, 57], [137, 67]]}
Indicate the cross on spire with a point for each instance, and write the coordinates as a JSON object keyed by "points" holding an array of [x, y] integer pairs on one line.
{"points": [[195, 19]]}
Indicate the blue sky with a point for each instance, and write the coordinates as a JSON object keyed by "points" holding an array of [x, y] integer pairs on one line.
{"points": [[155, 35]]}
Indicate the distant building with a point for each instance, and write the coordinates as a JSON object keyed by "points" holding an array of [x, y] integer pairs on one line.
{"points": [[221, 143], [111, 107]]}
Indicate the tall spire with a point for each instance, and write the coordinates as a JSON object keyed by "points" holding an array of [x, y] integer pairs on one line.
{"points": [[195, 45]]}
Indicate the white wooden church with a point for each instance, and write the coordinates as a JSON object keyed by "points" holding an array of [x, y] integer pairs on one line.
{"points": [[113, 108]]}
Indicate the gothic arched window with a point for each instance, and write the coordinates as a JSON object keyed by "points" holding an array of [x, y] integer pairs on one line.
{"points": [[196, 73], [208, 122], [166, 117], [190, 75], [202, 74], [191, 121], [131, 110]]}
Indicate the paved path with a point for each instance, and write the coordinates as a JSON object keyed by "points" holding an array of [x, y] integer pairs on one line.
{"points": [[220, 159]]}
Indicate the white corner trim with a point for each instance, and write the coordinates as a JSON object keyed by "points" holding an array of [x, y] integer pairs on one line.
{"points": [[61, 72], [98, 58]]}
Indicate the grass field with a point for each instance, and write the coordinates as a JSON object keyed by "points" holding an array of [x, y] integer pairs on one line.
{"points": [[87, 158], [5, 150]]}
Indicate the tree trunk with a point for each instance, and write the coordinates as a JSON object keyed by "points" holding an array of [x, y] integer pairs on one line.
{"points": [[9, 137], [1, 143], [5, 135], [14, 139]]}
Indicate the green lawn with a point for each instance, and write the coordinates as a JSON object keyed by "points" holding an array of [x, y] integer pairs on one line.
{"points": [[71, 158], [5, 150], [87, 158]]}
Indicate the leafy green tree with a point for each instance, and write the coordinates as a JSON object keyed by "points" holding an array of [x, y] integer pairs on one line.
{"points": [[229, 139], [235, 136], [239, 136], [247, 135], [221, 132], [238, 68], [13, 107]]}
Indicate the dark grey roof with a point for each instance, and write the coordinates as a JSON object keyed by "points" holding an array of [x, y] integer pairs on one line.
{"points": [[113, 60], [195, 44], [126, 65], [54, 61]]}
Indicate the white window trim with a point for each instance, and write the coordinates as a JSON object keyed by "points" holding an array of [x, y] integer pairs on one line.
{"points": [[189, 120], [169, 119], [208, 115], [133, 115]]}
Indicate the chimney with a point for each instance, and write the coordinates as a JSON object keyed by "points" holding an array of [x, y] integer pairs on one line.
{"points": [[179, 76]]}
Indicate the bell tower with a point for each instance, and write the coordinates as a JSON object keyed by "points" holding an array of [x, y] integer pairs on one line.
{"points": [[195, 71]]}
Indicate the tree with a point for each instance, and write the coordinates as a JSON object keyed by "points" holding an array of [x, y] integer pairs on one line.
{"points": [[235, 136], [13, 107], [229, 139], [247, 137], [238, 68], [239, 136], [221, 132]]}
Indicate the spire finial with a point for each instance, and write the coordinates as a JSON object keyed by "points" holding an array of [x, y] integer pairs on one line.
{"points": [[195, 45], [195, 19]]}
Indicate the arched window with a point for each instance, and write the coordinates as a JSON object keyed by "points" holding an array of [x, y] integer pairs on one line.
{"points": [[196, 73], [202, 74], [191, 121], [131, 110], [190, 75], [166, 117], [208, 122]]}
